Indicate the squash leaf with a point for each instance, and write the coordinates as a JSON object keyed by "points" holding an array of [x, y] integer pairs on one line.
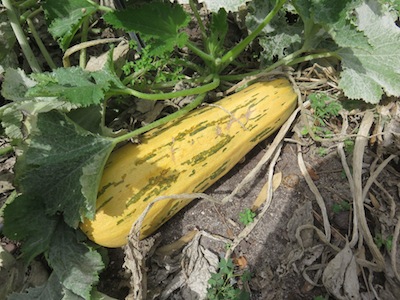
{"points": [[62, 164], [76, 265], [26, 220], [279, 37], [65, 18], [73, 84], [158, 22], [367, 41], [52, 289], [13, 114], [369, 71]]}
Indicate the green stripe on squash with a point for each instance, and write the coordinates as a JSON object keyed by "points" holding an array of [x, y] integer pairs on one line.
{"points": [[184, 156]]}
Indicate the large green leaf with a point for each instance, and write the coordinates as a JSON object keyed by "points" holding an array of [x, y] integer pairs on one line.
{"points": [[62, 164], [76, 265], [373, 69], [51, 290], [65, 18], [15, 115], [157, 21], [368, 40], [25, 220], [278, 38], [73, 84]]}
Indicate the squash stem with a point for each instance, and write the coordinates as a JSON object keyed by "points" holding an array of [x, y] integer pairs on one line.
{"points": [[208, 59], [21, 38], [163, 96], [313, 56], [196, 102], [6, 150], [198, 18], [235, 51], [40, 44], [83, 53]]}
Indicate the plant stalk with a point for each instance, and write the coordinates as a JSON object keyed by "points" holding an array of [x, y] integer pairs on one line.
{"points": [[164, 96], [198, 18], [21, 38], [207, 58], [235, 51], [40, 44], [5, 150], [83, 52]]}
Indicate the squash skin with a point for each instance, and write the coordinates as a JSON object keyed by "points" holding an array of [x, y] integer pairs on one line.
{"points": [[186, 155]]}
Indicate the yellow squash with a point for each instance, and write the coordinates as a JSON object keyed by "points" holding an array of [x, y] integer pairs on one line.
{"points": [[184, 156]]}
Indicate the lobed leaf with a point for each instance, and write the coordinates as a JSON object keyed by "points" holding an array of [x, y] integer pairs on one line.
{"points": [[157, 21], [278, 38], [77, 266], [65, 18], [369, 71], [62, 164], [73, 84], [51, 290], [25, 220]]}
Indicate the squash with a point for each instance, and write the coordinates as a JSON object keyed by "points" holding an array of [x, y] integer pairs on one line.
{"points": [[186, 155]]}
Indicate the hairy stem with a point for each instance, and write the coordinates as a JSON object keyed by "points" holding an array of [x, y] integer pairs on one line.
{"points": [[6, 149], [21, 38], [163, 96], [313, 56], [235, 51], [40, 44], [198, 18], [83, 52], [207, 58]]}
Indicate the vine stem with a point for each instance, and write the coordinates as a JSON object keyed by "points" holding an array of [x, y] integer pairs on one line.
{"points": [[313, 56], [163, 96], [183, 111], [6, 149], [100, 7], [198, 18], [235, 51], [207, 58], [289, 60], [21, 38], [39, 41], [27, 4], [83, 53]]}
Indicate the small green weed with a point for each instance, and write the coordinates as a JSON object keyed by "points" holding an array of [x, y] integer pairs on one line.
{"points": [[320, 297], [348, 146], [247, 216], [223, 283], [342, 206], [321, 151], [228, 246], [324, 107], [343, 173], [382, 241]]}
